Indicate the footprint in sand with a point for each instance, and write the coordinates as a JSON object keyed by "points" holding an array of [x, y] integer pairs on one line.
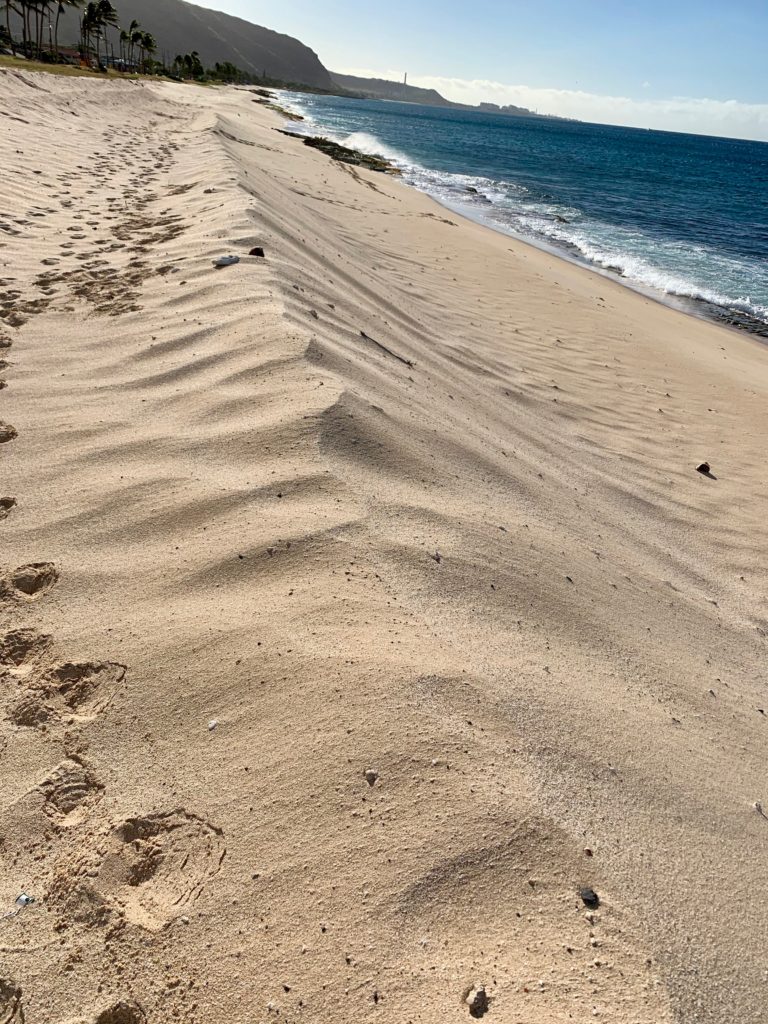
{"points": [[154, 867], [6, 504], [63, 799], [29, 582], [121, 1013], [11, 1011], [68, 793], [22, 647], [72, 692], [7, 432]]}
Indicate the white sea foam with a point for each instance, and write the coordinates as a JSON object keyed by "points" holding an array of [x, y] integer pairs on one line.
{"points": [[363, 142], [693, 272], [659, 265], [662, 266]]}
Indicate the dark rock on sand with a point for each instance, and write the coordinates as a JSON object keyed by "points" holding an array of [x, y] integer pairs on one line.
{"points": [[590, 898], [478, 1002]]}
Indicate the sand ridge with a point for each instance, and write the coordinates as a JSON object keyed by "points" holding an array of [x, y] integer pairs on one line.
{"points": [[405, 498]]}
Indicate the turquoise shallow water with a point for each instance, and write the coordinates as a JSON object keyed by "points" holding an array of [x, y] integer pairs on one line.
{"points": [[683, 217]]}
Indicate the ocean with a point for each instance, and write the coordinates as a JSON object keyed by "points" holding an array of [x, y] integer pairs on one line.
{"points": [[681, 217]]}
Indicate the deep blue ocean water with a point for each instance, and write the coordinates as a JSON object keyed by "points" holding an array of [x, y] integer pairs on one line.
{"points": [[683, 217]]}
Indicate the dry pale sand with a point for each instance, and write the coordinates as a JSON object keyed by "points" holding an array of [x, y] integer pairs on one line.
{"points": [[472, 556]]}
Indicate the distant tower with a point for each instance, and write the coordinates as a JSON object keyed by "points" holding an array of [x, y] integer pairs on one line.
{"points": [[405, 80]]}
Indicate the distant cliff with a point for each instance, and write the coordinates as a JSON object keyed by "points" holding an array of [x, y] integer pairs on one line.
{"points": [[181, 27], [382, 89]]}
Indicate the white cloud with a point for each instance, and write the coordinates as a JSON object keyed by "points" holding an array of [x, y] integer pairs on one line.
{"points": [[680, 113]]}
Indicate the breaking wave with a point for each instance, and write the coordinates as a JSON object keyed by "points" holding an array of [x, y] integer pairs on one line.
{"points": [[734, 284]]}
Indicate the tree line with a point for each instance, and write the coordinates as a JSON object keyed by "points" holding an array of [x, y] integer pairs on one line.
{"points": [[100, 30]]}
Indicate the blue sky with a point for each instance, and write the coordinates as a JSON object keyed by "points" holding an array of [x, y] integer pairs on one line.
{"points": [[696, 66]]}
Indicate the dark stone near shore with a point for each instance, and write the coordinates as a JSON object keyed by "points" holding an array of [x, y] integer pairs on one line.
{"points": [[257, 251], [343, 154], [289, 115]]}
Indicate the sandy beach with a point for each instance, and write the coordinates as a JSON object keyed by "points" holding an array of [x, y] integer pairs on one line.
{"points": [[363, 614]]}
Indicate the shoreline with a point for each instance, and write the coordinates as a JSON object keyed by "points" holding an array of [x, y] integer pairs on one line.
{"points": [[699, 309], [732, 319], [367, 589]]}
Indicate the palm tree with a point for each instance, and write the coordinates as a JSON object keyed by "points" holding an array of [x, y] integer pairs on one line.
{"points": [[137, 40], [61, 9], [99, 15], [192, 64], [42, 15], [38, 8], [23, 11], [8, 8], [132, 29], [107, 16], [88, 27], [149, 46]]}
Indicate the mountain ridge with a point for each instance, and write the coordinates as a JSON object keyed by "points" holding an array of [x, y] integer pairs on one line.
{"points": [[182, 27]]}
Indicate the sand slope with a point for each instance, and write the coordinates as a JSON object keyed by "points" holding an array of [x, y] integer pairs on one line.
{"points": [[256, 553]]}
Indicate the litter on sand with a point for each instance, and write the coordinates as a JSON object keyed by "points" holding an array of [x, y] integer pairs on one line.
{"points": [[226, 261], [22, 902]]}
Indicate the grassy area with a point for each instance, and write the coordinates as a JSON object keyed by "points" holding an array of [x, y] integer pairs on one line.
{"points": [[70, 71], [13, 63], [57, 69]]}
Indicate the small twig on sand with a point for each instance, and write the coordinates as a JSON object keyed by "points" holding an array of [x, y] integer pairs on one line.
{"points": [[384, 348], [760, 811]]}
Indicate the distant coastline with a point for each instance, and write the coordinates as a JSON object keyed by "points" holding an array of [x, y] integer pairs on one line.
{"points": [[585, 192], [401, 92]]}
